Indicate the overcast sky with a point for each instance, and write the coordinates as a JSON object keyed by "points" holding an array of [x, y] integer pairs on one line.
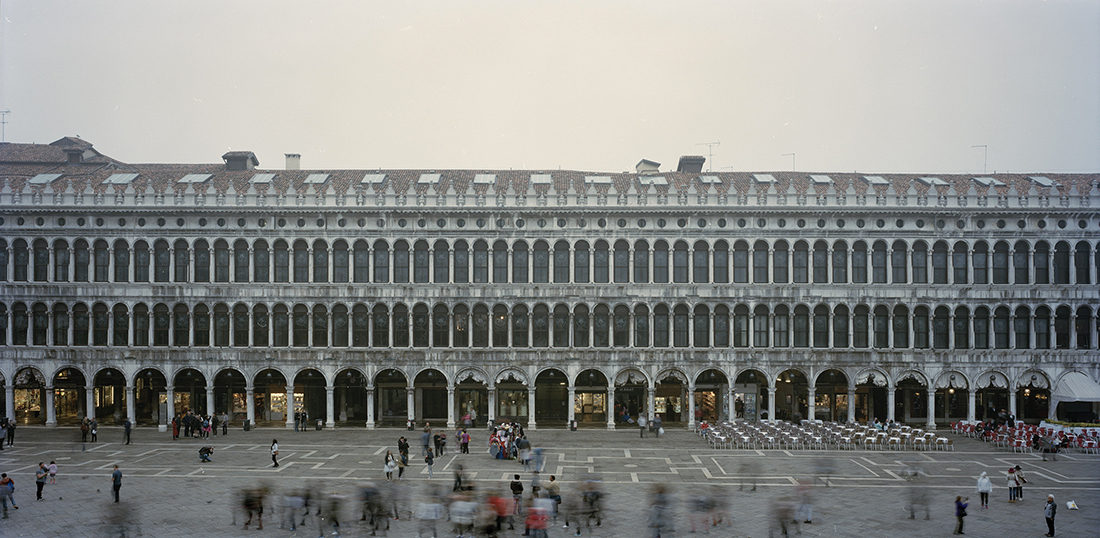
{"points": [[845, 85]]}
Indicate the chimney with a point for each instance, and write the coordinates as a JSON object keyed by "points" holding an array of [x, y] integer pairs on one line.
{"points": [[240, 160], [74, 155], [691, 163], [646, 166], [293, 161]]}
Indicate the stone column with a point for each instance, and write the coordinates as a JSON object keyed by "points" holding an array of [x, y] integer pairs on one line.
{"points": [[710, 264], [751, 327], [370, 408], [210, 398], [1092, 267], [51, 413], [970, 405], [771, 403], [9, 399], [410, 404], [251, 265], [1012, 329], [1072, 265], [130, 408], [771, 265], [89, 400], [1012, 401], [451, 406], [852, 405], [610, 407], [290, 405], [493, 402], [1072, 330], [970, 269], [931, 407], [731, 411], [891, 413], [572, 412], [951, 330], [170, 397], [691, 406], [330, 408], [811, 396], [531, 408], [250, 404]]}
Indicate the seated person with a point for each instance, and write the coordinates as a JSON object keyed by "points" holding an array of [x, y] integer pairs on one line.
{"points": [[205, 453]]}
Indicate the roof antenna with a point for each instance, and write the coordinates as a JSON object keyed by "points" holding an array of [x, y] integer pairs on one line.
{"points": [[4, 124], [710, 153], [985, 155], [791, 155]]}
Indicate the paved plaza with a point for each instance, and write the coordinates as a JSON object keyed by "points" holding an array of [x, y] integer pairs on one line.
{"points": [[166, 492]]}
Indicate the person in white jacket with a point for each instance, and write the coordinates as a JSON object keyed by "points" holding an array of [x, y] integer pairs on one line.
{"points": [[985, 487]]}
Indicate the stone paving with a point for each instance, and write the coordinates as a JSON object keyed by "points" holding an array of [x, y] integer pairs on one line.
{"points": [[166, 492]]}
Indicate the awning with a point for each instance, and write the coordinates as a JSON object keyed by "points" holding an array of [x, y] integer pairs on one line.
{"points": [[1077, 387]]}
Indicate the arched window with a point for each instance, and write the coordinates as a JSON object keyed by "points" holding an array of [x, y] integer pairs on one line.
{"points": [[42, 260], [600, 262], [939, 263], [601, 324], [740, 326], [520, 262], [801, 326], [780, 263], [920, 328], [519, 326], [660, 262], [721, 326], [381, 262], [580, 326], [420, 262], [40, 324], [821, 326], [300, 325], [878, 263], [940, 328], [101, 259], [541, 263], [221, 325], [441, 260], [660, 326], [860, 326], [721, 262], [1042, 263], [140, 324], [282, 261], [1000, 327], [260, 326], [60, 325], [641, 262], [1019, 263], [462, 262], [441, 323], [620, 326], [360, 259], [280, 325], [460, 326], [500, 262], [759, 262], [22, 260], [1081, 263], [380, 318], [1020, 325], [641, 326], [120, 335], [680, 326], [781, 328], [1042, 328], [301, 261], [622, 262], [801, 263], [99, 324], [82, 258], [401, 262], [481, 261], [61, 261], [958, 263], [1000, 263], [500, 326], [561, 326], [540, 321], [202, 261], [340, 325], [1081, 325], [261, 271], [3, 262], [420, 321], [320, 326], [481, 326], [741, 263], [700, 326], [360, 325], [240, 261], [840, 262], [240, 325], [561, 262], [821, 263], [680, 262], [340, 261], [897, 263], [760, 326], [961, 327], [162, 261], [161, 325], [221, 261], [840, 325], [700, 262], [981, 328], [920, 263], [900, 327]]}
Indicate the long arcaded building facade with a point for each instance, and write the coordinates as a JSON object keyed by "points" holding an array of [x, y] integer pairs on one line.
{"points": [[373, 297]]}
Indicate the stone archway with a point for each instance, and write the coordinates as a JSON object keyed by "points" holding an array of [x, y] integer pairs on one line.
{"points": [[991, 395], [29, 396], [110, 398], [350, 394], [513, 401], [671, 397], [711, 395], [472, 397], [392, 396], [269, 398], [310, 403], [632, 395], [830, 401], [1032, 396], [150, 397], [189, 386], [430, 396], [70, 396], [953, 400], [750, 395], [230, 394], [911, 396], [873, 397], [791, 395], [552, 400], [590, 404]]}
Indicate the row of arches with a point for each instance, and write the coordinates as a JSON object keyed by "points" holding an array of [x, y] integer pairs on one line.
{"points": [[550, 396], [600, 325], [540, 261]]}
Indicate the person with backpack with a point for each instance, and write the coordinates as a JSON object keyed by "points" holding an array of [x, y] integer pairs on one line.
{"points": [[7, 493], [429, 460]]}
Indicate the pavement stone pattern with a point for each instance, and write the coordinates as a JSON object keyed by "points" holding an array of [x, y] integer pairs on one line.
{"points": [[166, 491]]}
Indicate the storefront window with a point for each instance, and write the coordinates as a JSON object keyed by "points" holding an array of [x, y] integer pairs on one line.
{"points": [[512, 403]]}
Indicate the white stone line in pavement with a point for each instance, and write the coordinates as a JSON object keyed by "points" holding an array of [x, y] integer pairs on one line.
{"points": [[853, 460]]}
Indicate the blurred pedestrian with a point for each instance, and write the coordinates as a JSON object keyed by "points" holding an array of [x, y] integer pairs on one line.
{"points": [[782, 511], [1011, 482], [429, 460], [7, 493], [1049, 510], [116, 482], [126, 427], [960, 513], [40, 479], [389, 465], [1020, 481], [52, 468], [985, 487], [275, 452], [805, 510]]}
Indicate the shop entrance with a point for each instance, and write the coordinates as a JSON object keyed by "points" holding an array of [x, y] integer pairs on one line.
{"points": [[590, 405]]}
